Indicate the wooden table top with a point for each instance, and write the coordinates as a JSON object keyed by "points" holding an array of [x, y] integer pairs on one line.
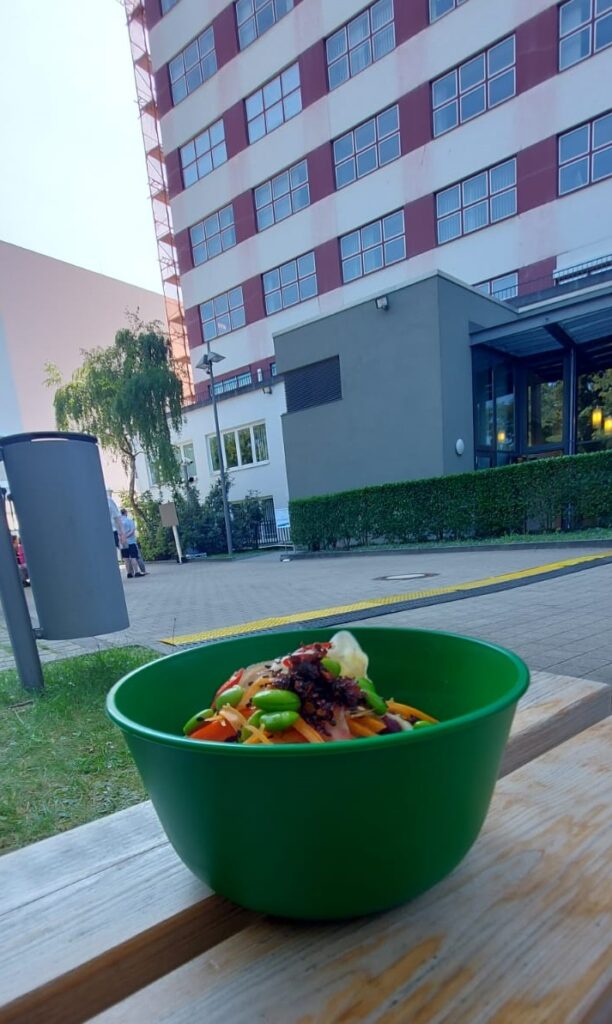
{"points": [[517, 933]]}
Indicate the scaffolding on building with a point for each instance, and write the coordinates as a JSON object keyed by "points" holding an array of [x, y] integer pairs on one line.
{"points": [[158, 191]]}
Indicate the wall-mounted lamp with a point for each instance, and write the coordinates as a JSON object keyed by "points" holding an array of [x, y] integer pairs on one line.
{"points": [[501, 436], [459, 446], [597, 418], [608, 425], [267, 390], [382, 302]]}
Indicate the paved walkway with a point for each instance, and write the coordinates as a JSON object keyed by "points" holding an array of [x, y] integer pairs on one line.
{"points": [[560, 624]]}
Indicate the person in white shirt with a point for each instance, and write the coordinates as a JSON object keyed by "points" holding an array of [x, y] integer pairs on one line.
{"points": [[115, 517], [129, 547]]}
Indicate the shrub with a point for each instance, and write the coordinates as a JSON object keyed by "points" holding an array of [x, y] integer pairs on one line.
{"points": [[571, 492]]}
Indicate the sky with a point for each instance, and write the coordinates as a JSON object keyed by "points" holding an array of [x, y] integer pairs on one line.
{"points": [[72, 169]]}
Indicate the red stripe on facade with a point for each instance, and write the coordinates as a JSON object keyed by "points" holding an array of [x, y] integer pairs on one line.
{"points": [[329, 271], [226, 36], [537, 276], [236, 138], [313, 73], [152, 13], [253, 299], [420, 220], [184, 253], [244, 217], [537, 45], [193, 326], [410, 19], [163, 96], [173, 173], [415, 118], [321, 180], [537, 174]]}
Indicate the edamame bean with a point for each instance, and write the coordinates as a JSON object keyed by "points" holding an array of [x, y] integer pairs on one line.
{"points": [[233, 696], [366, 685], [422, 725], [278, 721], [375, 702], [195, 722], [276, 700], [331, 666]]}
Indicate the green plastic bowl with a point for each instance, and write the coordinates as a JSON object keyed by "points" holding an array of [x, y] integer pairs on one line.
{"points": [[334, 830]]}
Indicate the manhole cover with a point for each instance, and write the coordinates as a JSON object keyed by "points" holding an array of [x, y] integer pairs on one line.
{"points": [[407, 576]]}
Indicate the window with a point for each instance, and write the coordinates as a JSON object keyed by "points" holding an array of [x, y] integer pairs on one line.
{"points": [[229, 384], [291, 283], [167, 5], [372, 247], [153, 474], [482, 82], [585, 155], [476, 202], [585, 26], [254, 17], [361, 42], [244, 446], [368, 147], [545, 404], [439, 7], [193, 65], [281, 196], [273, 370], [314, 384], [200, 156], [213, 235], [275, 103], [186, 460], [504, 287], [223, 314]]}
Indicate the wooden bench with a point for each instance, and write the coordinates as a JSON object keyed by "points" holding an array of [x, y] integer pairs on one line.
{"points": [[107, 914]]}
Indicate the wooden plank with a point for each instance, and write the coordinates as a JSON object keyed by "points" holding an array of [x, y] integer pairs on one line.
{"points": [[76, 904], [520, 933]]}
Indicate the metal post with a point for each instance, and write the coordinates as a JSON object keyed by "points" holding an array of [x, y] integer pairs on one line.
{"points": [[572, 402], [177, 542], [226, 514], [15, 609]]}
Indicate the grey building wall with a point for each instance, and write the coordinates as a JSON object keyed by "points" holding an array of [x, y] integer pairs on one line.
{"points": [[406, 389]]}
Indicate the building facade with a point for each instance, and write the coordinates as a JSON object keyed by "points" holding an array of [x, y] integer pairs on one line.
{"points": [[321, 153], [49, 312]]}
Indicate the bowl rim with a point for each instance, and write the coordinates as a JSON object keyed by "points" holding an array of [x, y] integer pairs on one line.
{"points": [[340, 747]]}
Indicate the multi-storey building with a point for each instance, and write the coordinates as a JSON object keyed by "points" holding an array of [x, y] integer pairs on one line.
{"points": [[320, 152]]}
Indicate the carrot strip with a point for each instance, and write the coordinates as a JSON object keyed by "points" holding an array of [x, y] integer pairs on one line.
{"points": [[251, 690], [406, 711], [307, 731], [216, 730], [372, 723], [357, 729]]}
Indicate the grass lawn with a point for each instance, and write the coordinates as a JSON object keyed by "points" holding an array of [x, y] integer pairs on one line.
{"points": [[62, 761]]}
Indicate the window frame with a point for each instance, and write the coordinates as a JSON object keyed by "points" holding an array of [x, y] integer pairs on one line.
{"points": [[356, 152], [482, 82], [201, 63], [284, 286], [595, 18], [343, 35], [263, 4], [486, 287], [487, 197], [276, 200], [235, 431], [222, 314], [267, 103], [194, 152], [220, 232], [588, 155], [436, 17], [385, 241]]}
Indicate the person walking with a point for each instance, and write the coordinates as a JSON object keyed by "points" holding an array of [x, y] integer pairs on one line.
{"points": [[129, 547], [115, 516]]}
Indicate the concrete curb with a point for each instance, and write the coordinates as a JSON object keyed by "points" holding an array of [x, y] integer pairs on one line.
{"points": [[299, 556]]}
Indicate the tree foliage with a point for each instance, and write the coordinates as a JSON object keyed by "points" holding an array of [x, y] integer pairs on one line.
{"points": [[129, 396]]}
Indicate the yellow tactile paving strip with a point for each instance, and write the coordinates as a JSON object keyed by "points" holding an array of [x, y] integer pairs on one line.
{"points": [[260, 625]]}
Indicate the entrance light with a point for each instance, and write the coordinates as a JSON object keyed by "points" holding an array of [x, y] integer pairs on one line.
{"points": [[596, 418]]}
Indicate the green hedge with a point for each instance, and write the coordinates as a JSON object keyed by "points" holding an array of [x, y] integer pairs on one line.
{"points": [[571, 492]]}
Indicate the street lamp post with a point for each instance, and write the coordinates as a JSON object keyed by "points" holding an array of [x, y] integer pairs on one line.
{"points": [[206, 363]]}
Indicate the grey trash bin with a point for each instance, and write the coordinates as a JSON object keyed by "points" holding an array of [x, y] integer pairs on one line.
{"points": [[58, 491]]}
